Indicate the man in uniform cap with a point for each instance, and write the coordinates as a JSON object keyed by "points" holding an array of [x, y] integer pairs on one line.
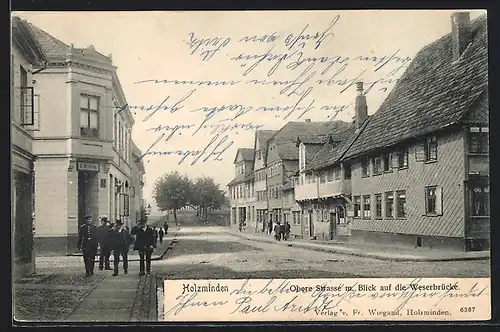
{"points": [[87, 242], [120, 240]]}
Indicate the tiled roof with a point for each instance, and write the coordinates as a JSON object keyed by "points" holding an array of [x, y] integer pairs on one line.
{"points": [[263, 136], [433, 93], [54, 48], [331, 152], [286, 138], [24, 37], [313, 139], [247, 154]]}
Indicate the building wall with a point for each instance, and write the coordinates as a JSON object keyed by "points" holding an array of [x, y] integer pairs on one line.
{"points": [[447, 172]]}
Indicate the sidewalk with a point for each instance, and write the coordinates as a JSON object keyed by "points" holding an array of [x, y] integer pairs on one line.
{"points": [[64, 294], [368, 250]]}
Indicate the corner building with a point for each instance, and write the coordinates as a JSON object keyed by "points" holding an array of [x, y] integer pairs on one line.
{"points": [[82, 143]]}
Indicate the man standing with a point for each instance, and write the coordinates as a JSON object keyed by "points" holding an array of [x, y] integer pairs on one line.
{"points": [[144, 243], [120, 240], [161, 234], [165, 226], [103, 233], [87, 242], [286, 230]]}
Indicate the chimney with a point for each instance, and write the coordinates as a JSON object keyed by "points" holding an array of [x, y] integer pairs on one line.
{"points": [[308, 120], [361, 109], [461, 34]]}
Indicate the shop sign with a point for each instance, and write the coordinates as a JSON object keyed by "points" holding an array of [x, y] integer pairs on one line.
{"points": [[89, 167]]}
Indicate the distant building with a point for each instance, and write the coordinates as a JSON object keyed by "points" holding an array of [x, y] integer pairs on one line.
{"points": [[82, 143], [137, 184], [241, 189], [27, 59]]}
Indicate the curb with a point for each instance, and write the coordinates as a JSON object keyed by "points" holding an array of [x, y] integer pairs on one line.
{"points": [[359, 254]]}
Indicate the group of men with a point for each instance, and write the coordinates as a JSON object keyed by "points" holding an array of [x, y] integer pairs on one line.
{"points": [[109, 237], [281, 232]]}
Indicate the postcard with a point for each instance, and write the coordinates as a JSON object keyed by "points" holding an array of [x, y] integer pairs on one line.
{"points": [[250, 166]]}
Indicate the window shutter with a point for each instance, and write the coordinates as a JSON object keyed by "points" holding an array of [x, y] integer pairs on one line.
{"points": [[439, 201], [423, 200], [420, 151], [394, 159]]}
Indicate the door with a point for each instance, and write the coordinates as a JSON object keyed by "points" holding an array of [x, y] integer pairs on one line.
{"points": [[82, 197], [311, 224], [333, 225]]}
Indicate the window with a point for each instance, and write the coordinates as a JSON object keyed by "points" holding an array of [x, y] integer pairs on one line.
{"points": [[387, 162], [481, 200], [89, 115], [401, 204], [347, 171], [365, 167], [378, 206], [377, 166], [433, 200], [478, 140], [430, 148], [389, 204], [403, 158], [366, 206], [337, 173], [330, 175], [322, 177], [357, 206]]}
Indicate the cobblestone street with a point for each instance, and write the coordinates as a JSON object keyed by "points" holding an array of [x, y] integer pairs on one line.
{"points": [[60, 292]]}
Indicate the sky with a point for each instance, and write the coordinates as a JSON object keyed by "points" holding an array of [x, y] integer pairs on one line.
{"points": [[200, 83]]}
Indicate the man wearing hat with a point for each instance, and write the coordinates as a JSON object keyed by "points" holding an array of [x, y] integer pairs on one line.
{"points": [[87, 242], [103, 233], [120, 240], [144, 243]]}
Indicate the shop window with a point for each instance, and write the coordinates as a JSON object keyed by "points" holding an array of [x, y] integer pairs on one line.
{"points": [[357, 206], [389, 204], [366, 206], [401, 204]]}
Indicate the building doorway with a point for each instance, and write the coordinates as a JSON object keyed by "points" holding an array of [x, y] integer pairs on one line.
{"points": [[87, 195], [311, 223], [333, 225]]}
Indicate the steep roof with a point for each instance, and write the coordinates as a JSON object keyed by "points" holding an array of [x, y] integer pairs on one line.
{"points": [[433, 93], [24, 38], [52, 46], [285, 139], [56, 49], [247, 154], [263, 136], [331, 152]]}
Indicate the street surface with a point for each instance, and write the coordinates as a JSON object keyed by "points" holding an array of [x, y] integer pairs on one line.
{"points": [[60, 291], [208, 252]]}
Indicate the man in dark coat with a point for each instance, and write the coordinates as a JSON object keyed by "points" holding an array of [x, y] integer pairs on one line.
{"points": [[286, 227], [87, 242], [144, 243], [120, 240], [277, 231], [161, 233], [103, 233], [165, 226]]}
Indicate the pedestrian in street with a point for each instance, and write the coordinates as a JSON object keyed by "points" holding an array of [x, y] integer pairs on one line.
{"points": [[165, 226], [161, 234], [270, 227], [277, 231], [103, 232], [87, 242], [156, 235], [144, 243], [286, 227], [120, 240]]}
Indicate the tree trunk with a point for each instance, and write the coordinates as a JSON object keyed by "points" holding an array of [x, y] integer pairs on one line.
{"points": [[205, 214], [198, 211], [175, 216]]}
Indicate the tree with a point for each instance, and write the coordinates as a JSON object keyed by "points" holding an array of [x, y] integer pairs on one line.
{"points": [[172, 192], [206, 196]]}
